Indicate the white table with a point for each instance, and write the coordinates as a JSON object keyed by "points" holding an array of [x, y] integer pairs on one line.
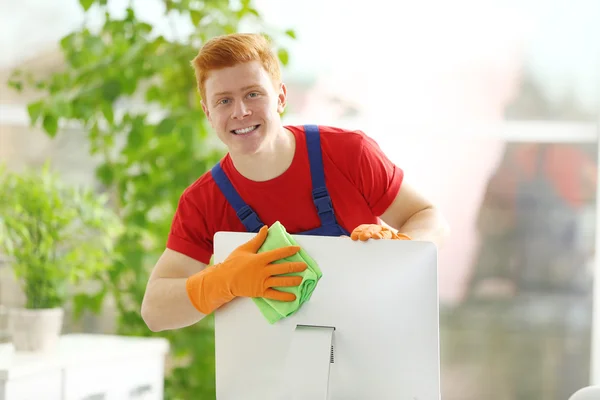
{"points": [[86, 367]]}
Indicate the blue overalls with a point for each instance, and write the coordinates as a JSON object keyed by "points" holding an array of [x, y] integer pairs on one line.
{"points": [[323, 205]]}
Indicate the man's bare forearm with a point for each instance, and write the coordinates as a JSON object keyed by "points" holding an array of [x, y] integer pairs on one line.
{"points": [[166, 305]]}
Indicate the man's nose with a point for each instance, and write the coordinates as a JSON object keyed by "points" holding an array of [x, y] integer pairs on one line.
{"points": [[240, 110]]}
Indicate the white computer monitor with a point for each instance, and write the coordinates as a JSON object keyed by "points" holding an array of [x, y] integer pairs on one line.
{"points": [[375, 310]]}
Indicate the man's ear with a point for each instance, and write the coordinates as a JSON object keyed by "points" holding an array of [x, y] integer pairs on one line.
{"points": [[281, 98], [205, 109]]}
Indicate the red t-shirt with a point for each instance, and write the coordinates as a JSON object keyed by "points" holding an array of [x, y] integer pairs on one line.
{"points": [[361, 181]]}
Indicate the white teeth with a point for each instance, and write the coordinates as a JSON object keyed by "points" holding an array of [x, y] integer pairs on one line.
{"points": [[245, 130]]}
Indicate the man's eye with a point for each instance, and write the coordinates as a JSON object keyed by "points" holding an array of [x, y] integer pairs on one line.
{"points": [[223, 101], [253, 94]]}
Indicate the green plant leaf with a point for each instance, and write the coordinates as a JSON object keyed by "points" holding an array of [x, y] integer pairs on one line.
{"points": [[91, 302], [106, 174], [50, 124], [284, 56], [196, 17], [108, 112], [166, 126], [34, 110], [86, 4], [111, 90]]}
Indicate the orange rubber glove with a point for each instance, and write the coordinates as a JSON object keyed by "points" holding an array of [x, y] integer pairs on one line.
{"points": [[245, 274], [365, 232]]}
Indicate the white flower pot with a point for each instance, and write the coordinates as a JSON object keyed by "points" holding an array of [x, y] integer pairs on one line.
{"points": [[35, 330]]}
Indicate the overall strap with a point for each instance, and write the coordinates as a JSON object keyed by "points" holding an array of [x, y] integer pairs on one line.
{"points": [[319, 190], [248, 217]]}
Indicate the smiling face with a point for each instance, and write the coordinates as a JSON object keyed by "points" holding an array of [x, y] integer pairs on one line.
{"points": [[243, 105]]}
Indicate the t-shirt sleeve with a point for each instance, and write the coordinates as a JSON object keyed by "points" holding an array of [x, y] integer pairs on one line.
{"points": [[189, 232], [379, 179]]}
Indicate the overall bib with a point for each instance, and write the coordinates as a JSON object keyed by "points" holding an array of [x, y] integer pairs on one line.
{"points": [[320, 195]]}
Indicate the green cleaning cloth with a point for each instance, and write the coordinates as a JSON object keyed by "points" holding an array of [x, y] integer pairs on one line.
{"points": [[274, 310]]}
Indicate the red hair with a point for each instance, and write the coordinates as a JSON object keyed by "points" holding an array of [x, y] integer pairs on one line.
{"points": [[232, 49]]}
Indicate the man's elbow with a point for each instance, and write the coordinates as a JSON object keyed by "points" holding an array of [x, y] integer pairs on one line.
{"points": [[149, 318], [434, 226]]}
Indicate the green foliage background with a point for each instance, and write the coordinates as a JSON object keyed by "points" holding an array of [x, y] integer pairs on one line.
{"points": [[145, 163], [54, 234]]}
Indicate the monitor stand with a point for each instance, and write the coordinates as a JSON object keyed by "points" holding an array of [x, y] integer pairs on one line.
{"points": [[308, 361]]}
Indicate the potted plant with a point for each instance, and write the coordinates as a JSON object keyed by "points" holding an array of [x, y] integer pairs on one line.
{"points": [[54, 236]]}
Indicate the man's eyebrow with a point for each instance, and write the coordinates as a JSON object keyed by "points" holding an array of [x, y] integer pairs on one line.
{"points": [[241, 90]]}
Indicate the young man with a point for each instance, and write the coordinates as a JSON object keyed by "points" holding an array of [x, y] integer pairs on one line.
{"points": [[314, 180]]}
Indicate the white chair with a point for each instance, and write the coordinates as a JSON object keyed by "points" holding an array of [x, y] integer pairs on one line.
{"points": [[587, 393]]}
